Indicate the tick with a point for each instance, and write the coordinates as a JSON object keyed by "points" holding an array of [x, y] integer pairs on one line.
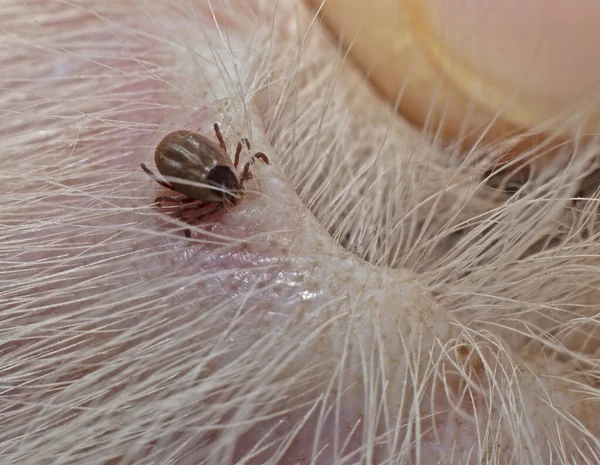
{"points": [[193, 158]]}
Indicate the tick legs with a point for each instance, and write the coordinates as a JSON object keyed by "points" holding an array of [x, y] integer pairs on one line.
{"points": [[236, 159], [238, 150], [167, 198], [212, 211], [185, 208], [153, 176], [197, 205], [220, 137], [194, 206], [179, 213], [218, 207], [246, 173]]}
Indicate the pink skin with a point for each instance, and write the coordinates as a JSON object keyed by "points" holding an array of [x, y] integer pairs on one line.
{"points": [[270, 234], [270, 281]]}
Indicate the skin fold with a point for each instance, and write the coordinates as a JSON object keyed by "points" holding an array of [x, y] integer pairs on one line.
{"points": [[373, 298]]}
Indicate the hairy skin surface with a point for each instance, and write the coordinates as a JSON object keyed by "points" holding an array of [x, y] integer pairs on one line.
{"points": [[370, 300]]}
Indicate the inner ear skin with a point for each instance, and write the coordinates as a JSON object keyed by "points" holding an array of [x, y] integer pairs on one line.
{"points": [[224, 177]]}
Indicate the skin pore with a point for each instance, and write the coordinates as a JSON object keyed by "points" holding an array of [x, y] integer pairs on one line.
{"points": [[371, 299]]}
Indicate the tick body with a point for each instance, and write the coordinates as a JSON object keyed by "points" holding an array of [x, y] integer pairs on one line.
{"points": [[191, 158]]}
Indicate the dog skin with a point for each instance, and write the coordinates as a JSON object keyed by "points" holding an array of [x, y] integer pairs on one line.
{"points": [[369, 299]]}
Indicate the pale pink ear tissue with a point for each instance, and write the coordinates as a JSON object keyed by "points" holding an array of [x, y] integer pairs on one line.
{"points": [[370, 299], [520, 75]]}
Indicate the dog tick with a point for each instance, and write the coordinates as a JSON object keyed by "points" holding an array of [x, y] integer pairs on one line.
{"points": [[193, 158]]}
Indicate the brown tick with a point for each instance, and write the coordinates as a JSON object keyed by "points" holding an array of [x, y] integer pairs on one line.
{"points": [[193, 158]]}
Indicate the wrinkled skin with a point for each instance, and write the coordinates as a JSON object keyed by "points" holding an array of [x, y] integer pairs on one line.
{"points": [[369, 300]]}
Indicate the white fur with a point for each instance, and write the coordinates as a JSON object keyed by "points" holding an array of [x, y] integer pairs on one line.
{"points": [[418, 316]]}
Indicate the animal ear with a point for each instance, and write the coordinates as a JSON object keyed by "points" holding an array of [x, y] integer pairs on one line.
{"points": [[223, 177]]}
